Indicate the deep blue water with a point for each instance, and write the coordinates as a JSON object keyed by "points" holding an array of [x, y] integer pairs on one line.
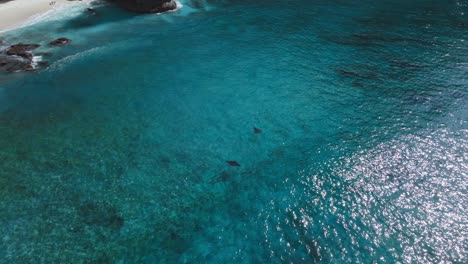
{"points": [[117, 152]]}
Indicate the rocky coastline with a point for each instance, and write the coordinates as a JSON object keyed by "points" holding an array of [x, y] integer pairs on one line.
{"points": [[146, 6], [22, 57]]}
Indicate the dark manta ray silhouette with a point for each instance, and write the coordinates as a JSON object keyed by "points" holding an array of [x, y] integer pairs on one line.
{"points": [[257, 130], [233, 163]]}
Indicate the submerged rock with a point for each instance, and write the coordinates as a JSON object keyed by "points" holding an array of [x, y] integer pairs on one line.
{"points": [[366, 75], [346, 73], [406, 65], [147, 6], [60, 42], [100, 214]]}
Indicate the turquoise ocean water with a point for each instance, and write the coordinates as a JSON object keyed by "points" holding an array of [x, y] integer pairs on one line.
{"points": [[117, 152]]}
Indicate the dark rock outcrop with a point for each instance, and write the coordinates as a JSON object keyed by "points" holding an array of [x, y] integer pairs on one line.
{"points": [[9, 64], [147, 6], [18, 58], [60, 42], [22, 50]]}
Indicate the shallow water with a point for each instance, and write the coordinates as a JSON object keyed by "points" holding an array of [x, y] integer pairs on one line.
{"points": [[117, 152]]}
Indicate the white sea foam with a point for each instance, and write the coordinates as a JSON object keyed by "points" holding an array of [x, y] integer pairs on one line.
{"points": [[179, 6], [35, 61], [189, 8]]}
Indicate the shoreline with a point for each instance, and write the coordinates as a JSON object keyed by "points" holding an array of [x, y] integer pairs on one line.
{"points": [[20, 13], [17, 14]]}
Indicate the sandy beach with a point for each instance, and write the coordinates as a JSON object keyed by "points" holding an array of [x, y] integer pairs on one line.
{"points": [[18, 13]]}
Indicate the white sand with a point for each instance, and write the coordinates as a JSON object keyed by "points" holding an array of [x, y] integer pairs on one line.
{"points": [[18, 13]]}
